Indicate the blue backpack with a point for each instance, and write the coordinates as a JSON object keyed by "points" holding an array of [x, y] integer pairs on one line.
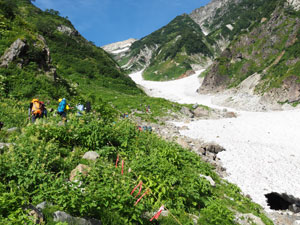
{"points": [[62, 106]]}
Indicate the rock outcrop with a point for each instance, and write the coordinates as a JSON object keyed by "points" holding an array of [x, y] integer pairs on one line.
{"points": [[14, 51], [294, 3], [119, 47], [67, 30]]}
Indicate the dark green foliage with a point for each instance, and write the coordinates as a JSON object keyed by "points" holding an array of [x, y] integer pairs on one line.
{"points": [[8, 8], [241, 15], [191, 37], [37, 167]]}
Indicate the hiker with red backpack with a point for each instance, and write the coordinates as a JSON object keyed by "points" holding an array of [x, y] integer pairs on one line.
{"points": [[35, 110]]}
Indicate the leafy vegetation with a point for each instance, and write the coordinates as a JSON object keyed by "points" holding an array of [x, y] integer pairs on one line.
{"points": [[37, 168], [37, 165]]}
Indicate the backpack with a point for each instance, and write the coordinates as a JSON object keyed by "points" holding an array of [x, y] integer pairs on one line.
{"points": [[36, 108], [62, 106]]}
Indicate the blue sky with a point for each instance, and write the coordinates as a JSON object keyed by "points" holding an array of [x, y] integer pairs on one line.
{"points": [[108, 21]]}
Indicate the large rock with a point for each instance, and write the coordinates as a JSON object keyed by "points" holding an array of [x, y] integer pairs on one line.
{"points": [[80, 170], [91, 155], [14, 51], [186, 111], [201, 112], [213, 148], [67, 30], [60, 216], [43, 205]]}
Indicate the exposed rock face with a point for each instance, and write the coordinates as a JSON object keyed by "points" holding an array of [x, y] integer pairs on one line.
{"points": [[14, 51], [119, 47], [67, 30], [18, 51], [214, 81], [254, 55], [294, 3], [206, 13], [142, 60]]}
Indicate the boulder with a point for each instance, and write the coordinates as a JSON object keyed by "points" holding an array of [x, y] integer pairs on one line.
{"points": [[195, 106], [209, 179], [36, 215], [13, 52], [60, 216], [80, 170], [213, 148], [91, 155], [13, 129], [186, 111], [248, 219], [201, 112], [67, 30], [230, 115], [43, 205]]}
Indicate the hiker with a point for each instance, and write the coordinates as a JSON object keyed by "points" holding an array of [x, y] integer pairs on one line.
{"points": [[44, 110], [35, 110], [62, 107], [88, 107], [1, 125]]}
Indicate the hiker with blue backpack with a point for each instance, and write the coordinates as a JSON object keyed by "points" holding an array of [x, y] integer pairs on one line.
{"points": [[62, 108]]}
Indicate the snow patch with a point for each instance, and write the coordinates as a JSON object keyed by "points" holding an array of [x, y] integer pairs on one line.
{"points": [[262, 148]]}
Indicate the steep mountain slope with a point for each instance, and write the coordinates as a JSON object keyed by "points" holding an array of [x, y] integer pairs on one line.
{"points": [[223, 20], [43, 54], [171, 51], [270, 51], [192, 41]]}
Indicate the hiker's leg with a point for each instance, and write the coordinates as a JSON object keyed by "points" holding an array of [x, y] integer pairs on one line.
{"points": [[33, 118]]}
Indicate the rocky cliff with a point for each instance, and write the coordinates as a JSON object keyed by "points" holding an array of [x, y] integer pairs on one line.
{"points": [[270, 49]]}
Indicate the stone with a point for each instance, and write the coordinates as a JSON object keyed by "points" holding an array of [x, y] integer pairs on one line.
{"points": [[182, 142], [67, 30], [13, 129], [186, 111], [43, 205], [60, 216], [91, 155], [209, 179], [230, 115], [3, 145], [80, 170], [195, 106], [213, 148], [36, 215], [13, 52], [248, 219], [201, 112]]}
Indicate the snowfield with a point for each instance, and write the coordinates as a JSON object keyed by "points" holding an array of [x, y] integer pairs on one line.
{"points": [[262, 148]]}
